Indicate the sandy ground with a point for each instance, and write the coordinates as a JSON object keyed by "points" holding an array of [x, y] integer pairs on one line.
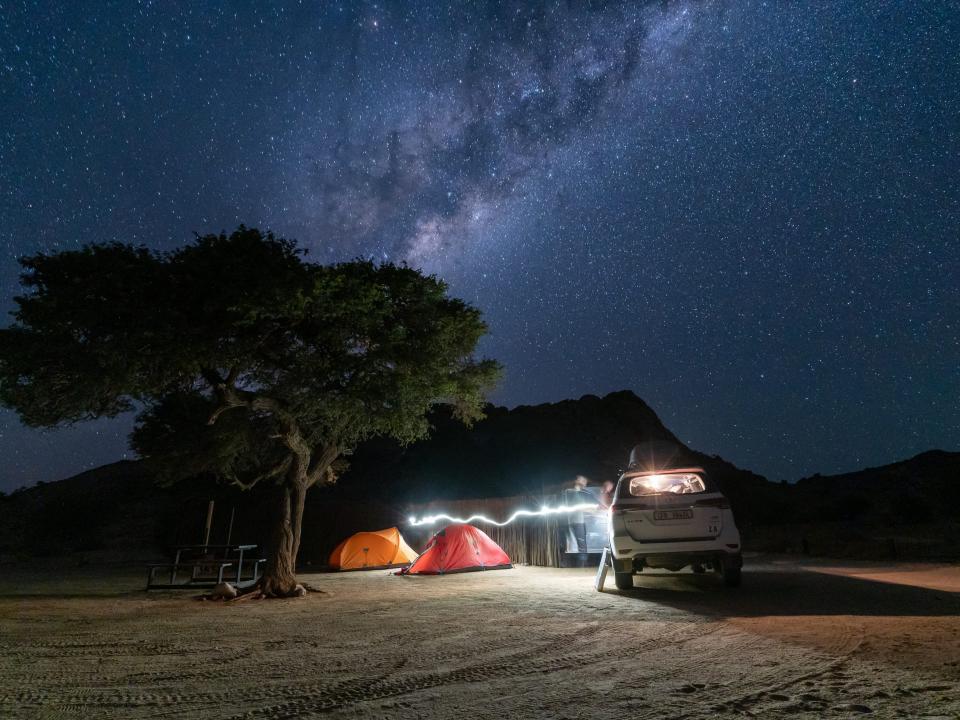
{"points": [[796, 641]]}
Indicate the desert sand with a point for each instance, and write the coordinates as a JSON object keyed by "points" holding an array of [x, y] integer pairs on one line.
{"points": [[798, 640]]}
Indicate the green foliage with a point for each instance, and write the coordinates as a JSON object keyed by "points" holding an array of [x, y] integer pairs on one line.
{"points": [[176, 437], [242, 356]]}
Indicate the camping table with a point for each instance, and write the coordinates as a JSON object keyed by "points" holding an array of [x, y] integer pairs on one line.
{"points": [[226, 552]]}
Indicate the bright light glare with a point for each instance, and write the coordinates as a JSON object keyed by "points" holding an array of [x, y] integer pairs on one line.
{"points": [[544, 510], [679, 483]]}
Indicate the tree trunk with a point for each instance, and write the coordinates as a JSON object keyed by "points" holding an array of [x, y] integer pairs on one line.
{"points": [[280, 576]]}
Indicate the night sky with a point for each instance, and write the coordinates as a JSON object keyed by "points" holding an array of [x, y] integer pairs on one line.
{"points": [[746, 212]]}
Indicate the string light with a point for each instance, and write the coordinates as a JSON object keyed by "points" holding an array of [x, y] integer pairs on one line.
{"points": [[545, 510]]}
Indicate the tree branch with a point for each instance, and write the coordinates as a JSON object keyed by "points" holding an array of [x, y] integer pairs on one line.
{"points": [[215, 415], [233, 397], [212, 377], [279, 469], [321, 462]]}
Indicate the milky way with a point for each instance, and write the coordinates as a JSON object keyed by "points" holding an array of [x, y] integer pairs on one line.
{"points": [[746, 212]]}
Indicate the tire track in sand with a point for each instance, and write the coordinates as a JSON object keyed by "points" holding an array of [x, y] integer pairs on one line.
{"points": [[515, 665], [350, 688]]}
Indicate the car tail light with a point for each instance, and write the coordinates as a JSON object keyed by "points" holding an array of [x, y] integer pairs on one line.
{"points": [[720, 502]]}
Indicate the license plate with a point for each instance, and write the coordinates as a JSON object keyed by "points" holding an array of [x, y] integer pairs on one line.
{"points": [[673, 515]]}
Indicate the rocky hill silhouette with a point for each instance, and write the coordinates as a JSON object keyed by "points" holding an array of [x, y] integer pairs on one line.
{"points": [[924, 488], [529, 449], [116, 512]]}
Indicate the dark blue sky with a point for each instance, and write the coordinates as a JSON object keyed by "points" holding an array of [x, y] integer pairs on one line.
{"points": [[746, 212]]}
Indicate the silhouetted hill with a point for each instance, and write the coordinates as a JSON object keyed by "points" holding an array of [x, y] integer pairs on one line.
{"points": [[117, 512], [924, 488], [908, 509], [530, 449]]}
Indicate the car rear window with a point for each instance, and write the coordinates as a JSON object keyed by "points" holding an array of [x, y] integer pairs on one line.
{"points": [[676, 483]]}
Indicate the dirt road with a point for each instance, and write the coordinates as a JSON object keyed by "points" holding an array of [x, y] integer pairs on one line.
{"points": [[795, 641]]}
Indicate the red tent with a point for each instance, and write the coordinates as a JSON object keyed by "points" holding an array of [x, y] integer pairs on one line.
{"points": [[459, 548]]}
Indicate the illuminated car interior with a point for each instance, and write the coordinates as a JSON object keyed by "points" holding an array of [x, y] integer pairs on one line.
{"points": [[677, 483]]}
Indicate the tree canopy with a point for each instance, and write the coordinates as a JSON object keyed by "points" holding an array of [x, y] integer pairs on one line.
{"points": [[244, 360]]}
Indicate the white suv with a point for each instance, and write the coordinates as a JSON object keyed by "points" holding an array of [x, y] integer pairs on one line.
{"points": [[670, 519]]}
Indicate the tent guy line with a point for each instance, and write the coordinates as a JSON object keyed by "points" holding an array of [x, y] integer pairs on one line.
{"points": [[545, 510]]}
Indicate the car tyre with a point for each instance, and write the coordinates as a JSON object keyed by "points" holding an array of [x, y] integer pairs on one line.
{"points": [[731, 576], [624, 581]]}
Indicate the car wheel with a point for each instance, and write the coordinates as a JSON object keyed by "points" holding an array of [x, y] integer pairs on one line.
{"points": [[624, 581], [698, 568], [731, 577]]}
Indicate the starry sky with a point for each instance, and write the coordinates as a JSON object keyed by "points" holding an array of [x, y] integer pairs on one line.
{"points": [[746, 212]]}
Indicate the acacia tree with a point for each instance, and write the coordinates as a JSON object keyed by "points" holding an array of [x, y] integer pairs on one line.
{"points": [[246, 361]]}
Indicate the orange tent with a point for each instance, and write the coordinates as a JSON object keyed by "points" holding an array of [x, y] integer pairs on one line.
{"points": [[371, 550]]}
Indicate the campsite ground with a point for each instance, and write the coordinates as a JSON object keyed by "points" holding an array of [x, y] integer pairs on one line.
{"points": [[797, 640]]}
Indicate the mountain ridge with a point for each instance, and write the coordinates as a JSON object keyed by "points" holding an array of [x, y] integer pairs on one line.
{"points": [[526, 450]]}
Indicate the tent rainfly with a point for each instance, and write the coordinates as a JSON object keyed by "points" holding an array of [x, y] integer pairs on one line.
{"points": [[459, 548], [371, 551]]}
